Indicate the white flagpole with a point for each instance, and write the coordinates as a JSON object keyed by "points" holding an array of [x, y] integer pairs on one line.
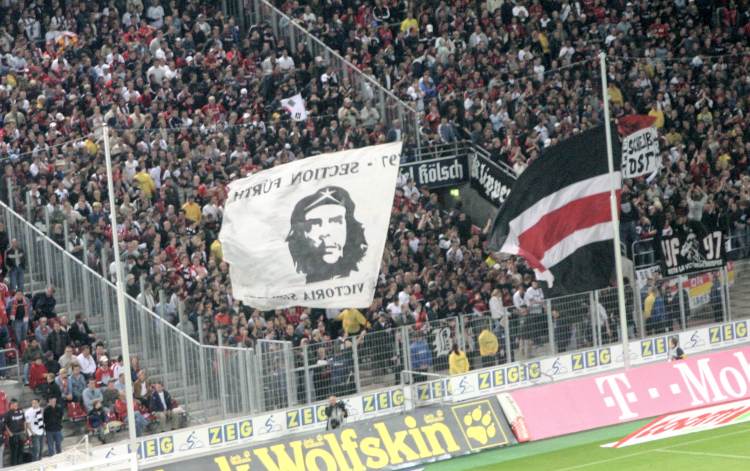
{"points": [[615, 215], [120, 297]]}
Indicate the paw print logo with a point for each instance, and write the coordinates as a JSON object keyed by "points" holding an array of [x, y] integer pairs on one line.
{"points": [[479, 425]]}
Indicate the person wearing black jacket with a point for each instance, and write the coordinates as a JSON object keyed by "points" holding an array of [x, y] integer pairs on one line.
{"points": [[80, 331], [57, 340], [44, 304], [15, 426], [53, 422], [336, 413]]}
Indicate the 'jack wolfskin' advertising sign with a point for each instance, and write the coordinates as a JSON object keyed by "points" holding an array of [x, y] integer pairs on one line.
{"points": [[398, 441]]}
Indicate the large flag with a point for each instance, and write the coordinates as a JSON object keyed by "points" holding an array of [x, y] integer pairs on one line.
{"points": [[311, 232], [558, 215], [295, 105]]}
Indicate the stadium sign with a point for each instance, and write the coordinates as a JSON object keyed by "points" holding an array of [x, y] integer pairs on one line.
{"points": [[682, 423], [436, 173], [397, 441], [489, 179]]}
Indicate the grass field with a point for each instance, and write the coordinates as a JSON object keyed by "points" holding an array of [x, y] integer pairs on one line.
{"points": [[724, 449]]}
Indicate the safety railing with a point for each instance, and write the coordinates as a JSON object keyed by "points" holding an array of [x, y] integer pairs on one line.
{"points": [[220, 381], [201, 377], [9, 355]]}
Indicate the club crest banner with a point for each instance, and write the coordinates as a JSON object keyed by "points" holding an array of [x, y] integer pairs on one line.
{"points": [[311, 232]]}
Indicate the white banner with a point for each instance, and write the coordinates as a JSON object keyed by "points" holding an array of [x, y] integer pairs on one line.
{"points": [[311, 232], [296, 107], [640, 153]]}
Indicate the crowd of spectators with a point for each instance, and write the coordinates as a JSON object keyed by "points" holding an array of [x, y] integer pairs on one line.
{"points": [[193, 103]]}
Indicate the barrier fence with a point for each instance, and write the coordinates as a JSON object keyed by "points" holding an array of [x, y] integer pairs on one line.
{"points": [[219, 381]]}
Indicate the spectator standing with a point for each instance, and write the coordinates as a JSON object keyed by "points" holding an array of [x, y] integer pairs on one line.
{"points": [[488, 346], [19, 313], [458, 363], [15, 428], [44, 304], [53, 423], [15, 262], [34, 418], [421, 356]]}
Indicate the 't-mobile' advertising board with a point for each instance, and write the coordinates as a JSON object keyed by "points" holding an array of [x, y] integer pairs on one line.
{"points": [[596, 401]]}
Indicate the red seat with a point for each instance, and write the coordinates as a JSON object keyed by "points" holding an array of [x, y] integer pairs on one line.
{"points": [[3, 403], [10, 355], [76, 412]]}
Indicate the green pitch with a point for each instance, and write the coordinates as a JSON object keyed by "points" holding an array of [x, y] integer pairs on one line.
{"points": [[724, 449]]}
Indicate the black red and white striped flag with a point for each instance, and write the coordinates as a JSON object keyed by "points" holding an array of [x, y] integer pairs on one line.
{"points": [[558, 217]]}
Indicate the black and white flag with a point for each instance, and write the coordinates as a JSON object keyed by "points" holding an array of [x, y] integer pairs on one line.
{"points": [[311, 232], [558, 215], [295, 106], [690, 250]]}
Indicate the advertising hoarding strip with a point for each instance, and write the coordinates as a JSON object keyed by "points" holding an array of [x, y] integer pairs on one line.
{"points": [[474, 384], [556, 409], [393, 442]]}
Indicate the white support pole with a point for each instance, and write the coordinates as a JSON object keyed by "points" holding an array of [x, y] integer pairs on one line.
{"points": [[616, 183], [120, 297]]}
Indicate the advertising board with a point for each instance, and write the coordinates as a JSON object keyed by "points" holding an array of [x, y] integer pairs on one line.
{"points": [[471, 385], [691, 421], [436, 173], [393, 442], [606, 399]]}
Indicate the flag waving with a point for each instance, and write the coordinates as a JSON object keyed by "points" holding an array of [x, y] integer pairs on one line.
{"points": [[296, 107], [311, 232], [558, 215]]}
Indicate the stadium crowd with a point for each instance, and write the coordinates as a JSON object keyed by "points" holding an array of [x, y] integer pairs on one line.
{"points": [[193, 103]]}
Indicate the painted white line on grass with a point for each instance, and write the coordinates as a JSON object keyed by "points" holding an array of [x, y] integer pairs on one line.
{"points": [[623, 457], [699, 453]]}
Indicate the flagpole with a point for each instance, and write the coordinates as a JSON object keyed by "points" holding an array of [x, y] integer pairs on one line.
{"points": [[121, 317], [615, 215]]}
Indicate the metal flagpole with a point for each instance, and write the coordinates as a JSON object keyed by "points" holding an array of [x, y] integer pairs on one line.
{"points": [[615, 184], [120, 297]]}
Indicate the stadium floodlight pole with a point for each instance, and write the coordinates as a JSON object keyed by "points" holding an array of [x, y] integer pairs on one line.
{"points": [[120, 296], [615, 215]]}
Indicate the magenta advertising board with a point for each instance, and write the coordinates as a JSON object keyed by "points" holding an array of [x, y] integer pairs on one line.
{"points": [[607, 399]]}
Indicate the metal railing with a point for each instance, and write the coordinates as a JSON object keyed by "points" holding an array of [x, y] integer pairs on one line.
{"points": [[199, 376], [4, 366], [214, 382]]}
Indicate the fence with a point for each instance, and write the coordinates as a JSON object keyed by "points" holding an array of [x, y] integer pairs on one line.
{"points": [[197, 375]]}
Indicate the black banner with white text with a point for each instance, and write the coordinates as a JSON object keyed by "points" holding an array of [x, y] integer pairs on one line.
{"points": [[691, 251]]}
